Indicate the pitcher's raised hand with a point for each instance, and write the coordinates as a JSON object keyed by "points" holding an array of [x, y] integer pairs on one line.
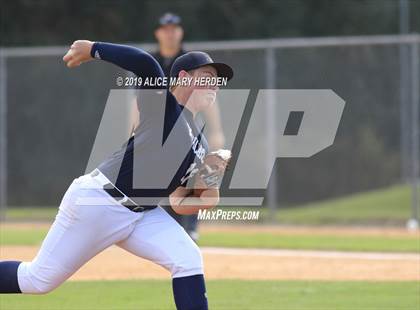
{"points": [[78, 53]]}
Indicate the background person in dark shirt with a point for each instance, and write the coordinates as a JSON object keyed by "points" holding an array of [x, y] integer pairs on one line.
{"points": [[169, 35]]}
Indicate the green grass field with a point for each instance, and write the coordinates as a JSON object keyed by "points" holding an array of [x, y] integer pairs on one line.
{"points": [[29, 236], [385, 206], [308, 241], [388, 206], [227, 294]]}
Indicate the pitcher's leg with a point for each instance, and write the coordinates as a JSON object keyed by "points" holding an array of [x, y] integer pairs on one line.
{"points": [[191, 226], [67, 246], [160, 239], [78, 233], [9, 281], [9, 270], [190, 293]]}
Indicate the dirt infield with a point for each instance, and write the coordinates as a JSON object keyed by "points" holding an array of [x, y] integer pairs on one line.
{"points": [[255, 264], [272, 229]]}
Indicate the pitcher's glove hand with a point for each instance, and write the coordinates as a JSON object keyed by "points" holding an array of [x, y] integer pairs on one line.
{"points": [[211, 172]]}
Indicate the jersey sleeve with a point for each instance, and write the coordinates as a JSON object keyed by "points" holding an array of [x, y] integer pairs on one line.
{"points": [[129, 58]]}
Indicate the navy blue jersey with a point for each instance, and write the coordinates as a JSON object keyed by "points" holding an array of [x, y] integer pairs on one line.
{"points": [[140, 159]]}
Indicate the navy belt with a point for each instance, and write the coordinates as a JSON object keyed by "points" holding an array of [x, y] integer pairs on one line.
{"points": [[118, 195]]}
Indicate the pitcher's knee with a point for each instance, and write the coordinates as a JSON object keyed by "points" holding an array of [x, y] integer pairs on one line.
{"points": [[33, 279], [43, 288], [188, 263]]}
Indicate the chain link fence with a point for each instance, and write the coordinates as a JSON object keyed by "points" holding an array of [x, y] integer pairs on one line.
{"points": [[50, 115]]}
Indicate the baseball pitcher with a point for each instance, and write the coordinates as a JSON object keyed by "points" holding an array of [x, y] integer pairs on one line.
{"points": [[119, 202]]}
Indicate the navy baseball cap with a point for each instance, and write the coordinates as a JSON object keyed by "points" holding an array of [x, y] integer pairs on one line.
{"points": [[194, 60], [169, 19]]}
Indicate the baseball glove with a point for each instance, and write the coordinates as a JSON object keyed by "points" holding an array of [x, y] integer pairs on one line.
{"points": [[210, 173]]}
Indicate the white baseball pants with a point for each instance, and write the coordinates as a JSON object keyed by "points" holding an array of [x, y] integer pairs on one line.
{"points": [[81, 231]]}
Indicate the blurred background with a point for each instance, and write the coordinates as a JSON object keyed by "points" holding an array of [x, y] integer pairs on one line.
{"points": [[365, 51], [334, 224]]}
